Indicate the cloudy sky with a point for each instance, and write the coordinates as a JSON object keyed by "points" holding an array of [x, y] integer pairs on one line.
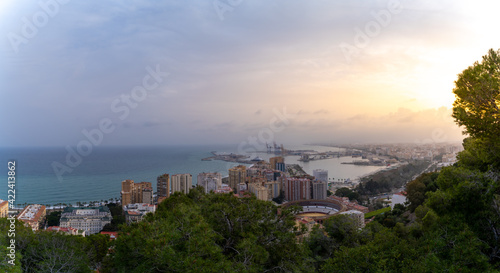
{"points": [[203, 72]]}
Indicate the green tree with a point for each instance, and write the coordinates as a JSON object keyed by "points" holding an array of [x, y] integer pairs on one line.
{"points": [[321, 246], [470, 195], [211, 232], [178, 241], [280, 198], [96, 247], [53, 218], [469, 190], [477, 103], [53, 252], [255, 234], [346, 192], [343, 229], [416, 190], [5, 242], [118, 217], [385, 252]]}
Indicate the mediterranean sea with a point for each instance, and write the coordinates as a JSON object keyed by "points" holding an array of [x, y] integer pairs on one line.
{"points": [[99, 175]]}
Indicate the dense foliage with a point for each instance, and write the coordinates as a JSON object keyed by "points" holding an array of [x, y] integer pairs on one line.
{"points": [[118, 217], [53, 218], [210, 233], [44, 251]]}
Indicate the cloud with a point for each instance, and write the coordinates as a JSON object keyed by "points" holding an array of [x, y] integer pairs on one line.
{"points": [[321, 112], [264, 55]]}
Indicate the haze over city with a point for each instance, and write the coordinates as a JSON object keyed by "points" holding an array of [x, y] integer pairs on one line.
{"points": [[357, 71]]}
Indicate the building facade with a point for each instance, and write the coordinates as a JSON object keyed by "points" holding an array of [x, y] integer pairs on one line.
{"points": [[210, 181], [358, 216], [135, 212], [297, 188], [321, 175], [260, 191], [349, 205], [89, 219], [273, 189], [224, 189], [163, 185], [32, 216], [182, 183], [319, 189], [277, 163], [147, 195], [67, 231], [4, 208], [237, 175], [136, 192]]}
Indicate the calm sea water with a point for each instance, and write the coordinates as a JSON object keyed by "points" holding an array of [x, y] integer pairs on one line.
{"points": [[99, 175]]}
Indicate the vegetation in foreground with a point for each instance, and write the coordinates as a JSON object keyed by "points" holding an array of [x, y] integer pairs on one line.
{"points": [[452, 222]]}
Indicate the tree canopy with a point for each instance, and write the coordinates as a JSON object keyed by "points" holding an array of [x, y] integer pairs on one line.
{"points": [[210, 233], [478, 97]]}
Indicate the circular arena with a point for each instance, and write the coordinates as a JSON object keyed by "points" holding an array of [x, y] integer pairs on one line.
{"points": [[318, 210]]}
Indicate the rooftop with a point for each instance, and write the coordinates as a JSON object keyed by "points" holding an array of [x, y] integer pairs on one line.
{"points": [[112, 235], [31, 213]]}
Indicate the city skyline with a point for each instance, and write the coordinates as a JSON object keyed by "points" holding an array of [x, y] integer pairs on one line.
{"points": [[148, 73]]}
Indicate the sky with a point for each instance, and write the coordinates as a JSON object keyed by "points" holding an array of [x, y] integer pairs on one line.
{"points": [[233, 71]]}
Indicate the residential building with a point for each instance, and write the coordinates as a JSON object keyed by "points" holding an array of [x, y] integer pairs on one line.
{"points": [[4, 208], [237, 175], [259, 190], [357, 215], [147, 196], [136, 192], [135, 212], [182, 183], [163, 185], [161, 199], [224, 189], [242, 187], [277, 163], [89, 219], [263, 165], [32, 216], [297, 188], [269, 175], [449, 158], [319, 189], [273, 189], [210, 181], [321, 175], [350, 205], [256, 179], [67, 230], [308, 222], [253, 171]]}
